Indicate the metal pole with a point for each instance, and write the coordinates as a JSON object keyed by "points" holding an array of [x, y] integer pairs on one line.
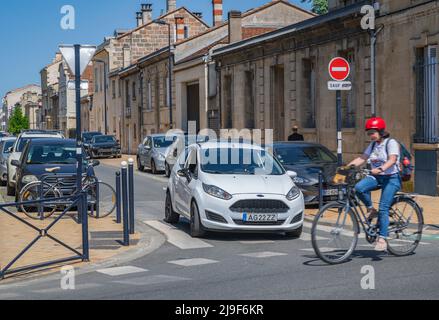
{"points": [[40, 205], [85, 245], [171, 120], [320, 190], [126, 236], [78, 118], [105, 97], [131, 193], [339, 130], [97, 200], [372, 72], [118, 206]]}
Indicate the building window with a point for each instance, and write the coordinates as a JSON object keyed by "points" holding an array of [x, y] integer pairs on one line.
{"points": [[348, 104], [113, 86], [186, 32], [101, 78], [249, 100], [228, 102], [120, 88], [427, 100], [308, 106], [134, 90], [166, 91], [127, 94], [149, 104], [96, 80]]}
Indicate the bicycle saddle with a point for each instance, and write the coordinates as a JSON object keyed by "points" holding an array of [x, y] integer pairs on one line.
{"points": [[52, 170]]}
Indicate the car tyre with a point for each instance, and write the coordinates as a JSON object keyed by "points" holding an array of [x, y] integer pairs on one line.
{"points": [[167, 170], [295, 234], [170, 215], [153, 167], [139, 165], [196, 228]]}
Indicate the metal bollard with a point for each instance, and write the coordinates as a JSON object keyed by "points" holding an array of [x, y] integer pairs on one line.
{"points": [[118, 206], [320, 190], [126, 236], [85, 244], [131, 193]]}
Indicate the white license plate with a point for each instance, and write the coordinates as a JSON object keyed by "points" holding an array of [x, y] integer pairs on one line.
{"points": [[330, 192], [259, 217]]}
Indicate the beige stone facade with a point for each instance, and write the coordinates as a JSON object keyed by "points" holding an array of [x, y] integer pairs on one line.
{"points": [[50, 94]]}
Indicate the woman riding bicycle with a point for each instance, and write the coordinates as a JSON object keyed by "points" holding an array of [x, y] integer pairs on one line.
{"points": [[383, 154]]}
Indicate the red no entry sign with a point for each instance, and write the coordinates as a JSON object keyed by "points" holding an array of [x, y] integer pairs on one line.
{"points": [[339, 69]]}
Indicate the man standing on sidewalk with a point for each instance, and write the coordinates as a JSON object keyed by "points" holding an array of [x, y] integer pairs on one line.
{"points": [[296, 136]]}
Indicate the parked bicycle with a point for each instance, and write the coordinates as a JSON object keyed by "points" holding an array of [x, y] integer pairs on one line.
{"points": [[101, 197], [336, 227]]}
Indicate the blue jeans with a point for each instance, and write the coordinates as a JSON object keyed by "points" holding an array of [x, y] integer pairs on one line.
{"points": [[390, 185]]}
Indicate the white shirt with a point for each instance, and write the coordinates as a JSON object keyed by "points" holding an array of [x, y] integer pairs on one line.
{"points": [[378, 156]]}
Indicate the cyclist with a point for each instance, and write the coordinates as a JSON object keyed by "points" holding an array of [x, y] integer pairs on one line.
{"points": [[383, 153]]}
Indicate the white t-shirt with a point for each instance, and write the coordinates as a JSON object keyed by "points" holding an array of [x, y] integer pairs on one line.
{"points": [[378, 156]]}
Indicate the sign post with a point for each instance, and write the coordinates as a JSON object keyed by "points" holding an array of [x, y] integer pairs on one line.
{"points": [[339, 71], [77, 58]]}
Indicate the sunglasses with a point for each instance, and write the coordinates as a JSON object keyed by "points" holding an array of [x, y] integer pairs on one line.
{"points": [[371, 132]]}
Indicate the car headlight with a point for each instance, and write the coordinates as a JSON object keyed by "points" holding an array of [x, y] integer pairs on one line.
{"points": [[29, 179], [161, 156], [217, 192], [301, 180], [293, 194]]}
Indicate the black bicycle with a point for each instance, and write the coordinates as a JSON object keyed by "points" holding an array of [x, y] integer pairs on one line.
{"points": [[336, 228]]}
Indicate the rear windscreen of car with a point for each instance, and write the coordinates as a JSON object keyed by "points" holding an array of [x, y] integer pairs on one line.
{"points": [[55, 154], [303, 155], [7, 145]]}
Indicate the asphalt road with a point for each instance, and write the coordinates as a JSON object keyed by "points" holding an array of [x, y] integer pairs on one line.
{"points": [[242, 267]]}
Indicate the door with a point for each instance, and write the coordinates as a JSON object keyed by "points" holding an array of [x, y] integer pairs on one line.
{"points": [[148, 152], [184, 184], [193, 104], [278, 103]]}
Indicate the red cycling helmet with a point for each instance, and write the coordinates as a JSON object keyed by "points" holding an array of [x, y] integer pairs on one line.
{"points": [[376, 124]]}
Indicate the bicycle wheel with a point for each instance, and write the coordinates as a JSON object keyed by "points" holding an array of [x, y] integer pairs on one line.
{"points": [[406, 225], [35, 191], [101, 199], [334, 233]]}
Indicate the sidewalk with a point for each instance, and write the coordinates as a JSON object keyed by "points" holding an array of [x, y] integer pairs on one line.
{"points": [[104, 239]]}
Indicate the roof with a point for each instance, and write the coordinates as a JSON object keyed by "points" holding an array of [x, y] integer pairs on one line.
{"points": [[300, 26]]}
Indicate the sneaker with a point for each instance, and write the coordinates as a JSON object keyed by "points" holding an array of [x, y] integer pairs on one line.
{"points": [[372, 214], [381, 245]]}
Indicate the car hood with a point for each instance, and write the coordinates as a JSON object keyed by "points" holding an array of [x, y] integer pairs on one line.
{"points": [[40, 169], [251, 184], [311, 171]]}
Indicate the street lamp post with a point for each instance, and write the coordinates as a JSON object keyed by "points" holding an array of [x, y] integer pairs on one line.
{"points": [[105, 94], [170, 61]]}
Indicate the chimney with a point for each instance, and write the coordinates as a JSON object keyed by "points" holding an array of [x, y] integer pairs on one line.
{"points": [[235, 26], [171, 5], [146, 13], [139, 18], [217, 12], [179, 24]]}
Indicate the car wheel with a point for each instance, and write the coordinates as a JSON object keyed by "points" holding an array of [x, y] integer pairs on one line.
{"points": [[153, 167], [295, 234], [2, 183], [170, 215], [10, 191], [167, 170], [195, 224], [139, 165]]}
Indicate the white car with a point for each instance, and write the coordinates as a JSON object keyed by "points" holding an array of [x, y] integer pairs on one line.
{"points": [[228, 186], [15, 153]]}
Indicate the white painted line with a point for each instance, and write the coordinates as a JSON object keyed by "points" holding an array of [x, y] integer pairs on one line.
{"points": [[149, 280], [178, 238], [120, 271], [84, 286], [265, 254], [258, 242], [193, 262]]}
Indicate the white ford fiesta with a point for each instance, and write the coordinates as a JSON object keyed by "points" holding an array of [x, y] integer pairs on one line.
{"points": [[233, 186]]}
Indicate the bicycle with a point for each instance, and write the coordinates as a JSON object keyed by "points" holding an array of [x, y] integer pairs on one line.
{"points": [[101, 197], [336, 227]]}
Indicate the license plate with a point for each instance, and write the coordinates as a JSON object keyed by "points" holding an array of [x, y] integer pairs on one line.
{"points": [[330, 192], [259, 217]]}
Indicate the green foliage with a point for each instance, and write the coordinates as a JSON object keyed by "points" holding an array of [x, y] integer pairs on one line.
{"points": [[318, 6], [17, 121]]}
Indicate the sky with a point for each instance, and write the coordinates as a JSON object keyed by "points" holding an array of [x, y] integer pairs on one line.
{"points": [[31, 31]]}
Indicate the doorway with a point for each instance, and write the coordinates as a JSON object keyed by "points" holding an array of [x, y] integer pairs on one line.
{"points": [[193, 104], [278, 102]]}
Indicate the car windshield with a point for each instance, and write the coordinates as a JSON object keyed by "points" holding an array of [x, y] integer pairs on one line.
{"points": [[54, 154], [7, 145], [162, 142], [103, 139], [297, 155], [22, 143], [89, 135], [239, 161]]}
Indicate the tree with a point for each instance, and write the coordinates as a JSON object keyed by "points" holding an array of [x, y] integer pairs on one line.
{"points": [[17, 121], [318, 6]]}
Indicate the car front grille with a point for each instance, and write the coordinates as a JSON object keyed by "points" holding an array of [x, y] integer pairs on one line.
{"points": [[247, 223], [67, 184], [260, 206]]}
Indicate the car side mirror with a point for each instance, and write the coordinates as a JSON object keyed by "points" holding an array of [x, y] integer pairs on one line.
{"points": [[9, 150], [15, 163], [292, 174], [182, 173], [96, 163]]}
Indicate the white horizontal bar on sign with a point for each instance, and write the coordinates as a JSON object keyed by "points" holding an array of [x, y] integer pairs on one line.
{"points": [[339, 69], [339, 85]]}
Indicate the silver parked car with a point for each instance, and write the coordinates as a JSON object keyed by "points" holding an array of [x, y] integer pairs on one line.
{"points": [[152, 152], [5, 144]]}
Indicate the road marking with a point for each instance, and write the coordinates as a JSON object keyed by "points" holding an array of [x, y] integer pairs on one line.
{"points": [[178, 238], [84, 286], [149, 280], [192, 262], [324, 249], [265, 254], [120, 271], [258, 242]]}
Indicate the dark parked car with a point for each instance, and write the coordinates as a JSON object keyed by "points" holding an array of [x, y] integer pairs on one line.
{"points": [[39, 156], [307, 160], [104, 146], [88, 136]]}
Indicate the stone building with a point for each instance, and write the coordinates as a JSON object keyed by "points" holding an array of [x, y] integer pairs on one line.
{"points": [[50, 97], [18, 97], [30, 103], [124, 49], [279, 79]]}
